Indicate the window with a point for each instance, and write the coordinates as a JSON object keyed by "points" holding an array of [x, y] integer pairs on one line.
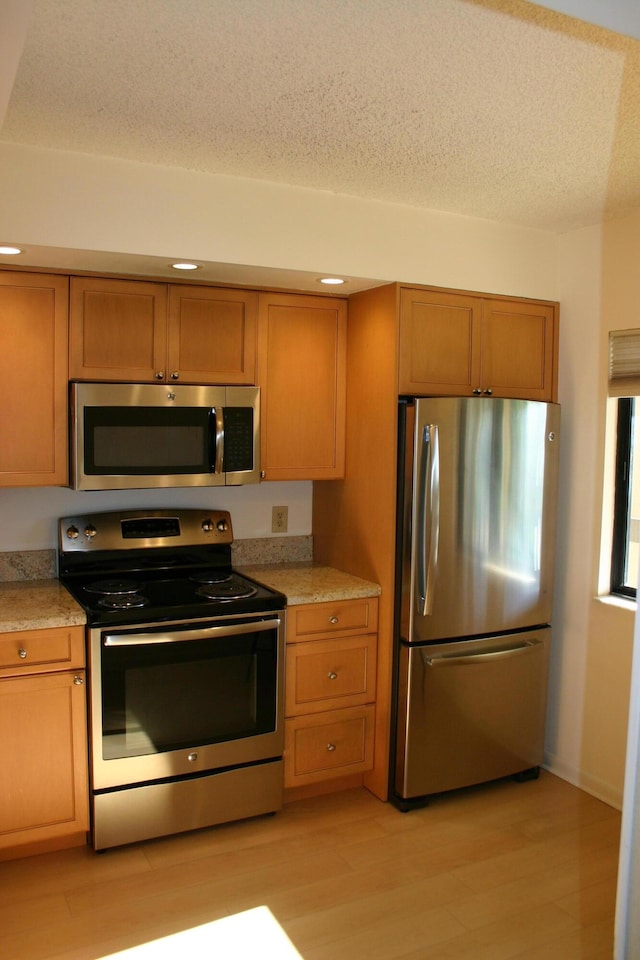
{"points": [[624, 383], [626, 511]]}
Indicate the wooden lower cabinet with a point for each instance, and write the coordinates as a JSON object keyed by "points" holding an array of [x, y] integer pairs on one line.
{"points": [[43, 741], [330, 690], [331, 744]]}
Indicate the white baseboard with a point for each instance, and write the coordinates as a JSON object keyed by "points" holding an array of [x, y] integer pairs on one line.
{"points": [[597, 788]]}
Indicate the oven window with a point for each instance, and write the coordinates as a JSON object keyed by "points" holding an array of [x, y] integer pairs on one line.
{"points": [[172, 696], [146, 440]]}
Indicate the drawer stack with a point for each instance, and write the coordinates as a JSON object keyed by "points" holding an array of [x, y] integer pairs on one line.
{"points": [[330, 690]]}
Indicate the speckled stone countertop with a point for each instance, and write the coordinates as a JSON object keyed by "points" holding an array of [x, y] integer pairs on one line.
{"points": [[37, 604], [310, 582]]}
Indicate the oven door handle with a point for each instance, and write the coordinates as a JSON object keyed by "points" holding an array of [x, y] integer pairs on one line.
{"points": [[208, 633]]}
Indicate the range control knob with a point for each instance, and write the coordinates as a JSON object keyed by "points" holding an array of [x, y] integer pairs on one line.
{"points": [[207, 525], [72, 533], [90, 532], [222, 525]]}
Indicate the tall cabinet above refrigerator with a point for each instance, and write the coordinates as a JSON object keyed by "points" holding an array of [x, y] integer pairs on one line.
{"points": [[477, 485]]}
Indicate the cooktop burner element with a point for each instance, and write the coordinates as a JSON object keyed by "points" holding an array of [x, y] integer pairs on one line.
{"points": [[153, 566], [211, 576], [113, 587], [232, 589], [123, 601]]}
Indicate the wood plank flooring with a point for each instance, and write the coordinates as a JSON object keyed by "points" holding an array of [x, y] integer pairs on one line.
{"points": [[505, 870]]}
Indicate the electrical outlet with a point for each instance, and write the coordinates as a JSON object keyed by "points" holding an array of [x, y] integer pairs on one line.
{"points": [[279, 519]]}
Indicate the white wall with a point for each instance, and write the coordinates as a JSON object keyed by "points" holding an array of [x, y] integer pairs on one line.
{"points": [[57, 199], [61, 199]]}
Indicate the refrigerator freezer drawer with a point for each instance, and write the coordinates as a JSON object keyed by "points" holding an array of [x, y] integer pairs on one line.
{"points": [[470, 711]]}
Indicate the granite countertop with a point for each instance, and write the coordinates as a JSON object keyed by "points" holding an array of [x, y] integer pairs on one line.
{"points": [[310, 582], [37, 604]]}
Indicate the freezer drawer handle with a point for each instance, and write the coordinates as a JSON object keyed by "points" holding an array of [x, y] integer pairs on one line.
{"points": [[429, 513], [447, 660]]}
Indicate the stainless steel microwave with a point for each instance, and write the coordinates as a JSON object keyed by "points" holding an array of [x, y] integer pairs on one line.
{"points": [[129, 435]]}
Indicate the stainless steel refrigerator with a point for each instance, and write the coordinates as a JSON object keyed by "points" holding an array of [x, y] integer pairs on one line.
{"points": [[475, 556]]}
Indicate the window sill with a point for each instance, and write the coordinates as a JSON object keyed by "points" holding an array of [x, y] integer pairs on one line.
{"points": [[621, 602]]}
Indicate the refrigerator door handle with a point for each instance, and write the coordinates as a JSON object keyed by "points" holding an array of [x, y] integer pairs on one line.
{"points": [[428, 506], [452, 661]]}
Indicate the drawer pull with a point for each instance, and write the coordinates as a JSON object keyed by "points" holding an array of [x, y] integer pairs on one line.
{"points": [[22, 653], [332, 675], [334, 619], [331, 747]]}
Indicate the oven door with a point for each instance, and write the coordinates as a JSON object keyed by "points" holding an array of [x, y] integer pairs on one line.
{"points": [[176, 700]]}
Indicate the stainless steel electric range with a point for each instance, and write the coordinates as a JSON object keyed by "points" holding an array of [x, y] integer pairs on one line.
{"points": [[186, 673]]}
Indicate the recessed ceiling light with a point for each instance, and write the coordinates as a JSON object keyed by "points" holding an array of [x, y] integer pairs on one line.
{"points": [[185, 266], [9, 251], [334, 281]]}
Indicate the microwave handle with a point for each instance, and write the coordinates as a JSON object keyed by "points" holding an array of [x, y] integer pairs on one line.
{"points": [[216, 434]]}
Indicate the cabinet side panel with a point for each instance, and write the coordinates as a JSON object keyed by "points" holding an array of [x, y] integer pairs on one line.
{"points": [[354, 518]]}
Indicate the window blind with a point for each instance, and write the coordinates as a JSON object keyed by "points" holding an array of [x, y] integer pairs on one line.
{"points": [[624, 363]]}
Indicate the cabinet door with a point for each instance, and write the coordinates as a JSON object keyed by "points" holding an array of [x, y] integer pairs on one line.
{"points": [[117, 330], [301, 371], [212, 335], [437, 335], [518, 347], [43, 757], [33, 368]]}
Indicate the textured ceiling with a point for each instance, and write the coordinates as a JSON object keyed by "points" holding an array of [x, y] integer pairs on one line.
{"points": [[498, 109]]}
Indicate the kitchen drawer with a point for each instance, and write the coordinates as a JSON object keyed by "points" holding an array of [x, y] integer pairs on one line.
{"points": [[41, 651], [344, 617], [332, 744], [326, 674]]}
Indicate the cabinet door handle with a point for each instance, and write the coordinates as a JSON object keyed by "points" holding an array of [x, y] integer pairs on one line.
{"points": [[332, 675], [477, 391], [160, 375], [22, 653], [78, 680], [334, 619], [331, 747], [488, 391], [175, 375]]}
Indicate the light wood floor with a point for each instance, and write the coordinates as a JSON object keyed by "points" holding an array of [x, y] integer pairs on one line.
{"points": [[505, 870]]}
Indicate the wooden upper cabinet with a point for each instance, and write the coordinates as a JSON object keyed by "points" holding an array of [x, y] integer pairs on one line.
{"points": [[460, 344], [212, 335], [136, 331], [117, 330], [33, 365], [519, 349], [437, 334], [302, 343]]}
